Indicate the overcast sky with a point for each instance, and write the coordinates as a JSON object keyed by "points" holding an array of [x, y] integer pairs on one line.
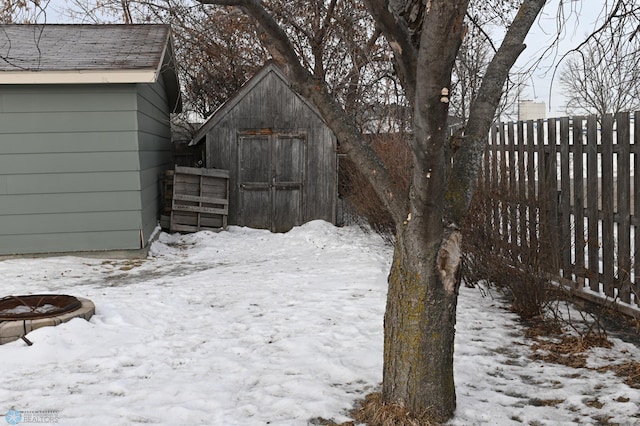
{"points": [[581, 18]]}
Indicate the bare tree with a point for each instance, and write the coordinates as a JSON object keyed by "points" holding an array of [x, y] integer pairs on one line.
{"points": [[425, 38], [412, 44], [22, 11], [604, 75], [475, 53], [471, 63]]}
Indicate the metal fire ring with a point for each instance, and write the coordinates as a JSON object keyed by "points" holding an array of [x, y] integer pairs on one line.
{"points": [[56, 304]]}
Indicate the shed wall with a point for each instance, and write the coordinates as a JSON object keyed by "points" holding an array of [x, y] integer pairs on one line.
{"points": [[271, 104], [69, 168]]}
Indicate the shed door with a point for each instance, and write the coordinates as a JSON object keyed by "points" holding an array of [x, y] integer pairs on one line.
{"points": [[270, 180]]}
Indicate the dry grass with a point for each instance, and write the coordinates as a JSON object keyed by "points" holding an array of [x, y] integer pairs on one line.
{"points": [[545, 402], [566, 350], [629, 371], [550, 345], [320, 421], [373, 411]]}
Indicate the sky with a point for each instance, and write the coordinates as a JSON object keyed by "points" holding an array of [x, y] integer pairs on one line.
{"points": [[247, 327], [581, 18]]}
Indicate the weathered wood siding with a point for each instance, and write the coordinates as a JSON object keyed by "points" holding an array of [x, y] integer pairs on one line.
{"points": [[72, 177], [269, 109]]}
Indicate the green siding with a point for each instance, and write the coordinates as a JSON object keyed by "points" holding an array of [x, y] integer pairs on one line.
{"points": [[69, 242], [79, 166], [155, 150], [69, 98], [54, 122], [48, 222], [11, 164], [71, 182], [27, 143], [69, 168], [29, 204]]}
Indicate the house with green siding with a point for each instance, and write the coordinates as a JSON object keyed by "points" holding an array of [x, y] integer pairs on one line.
{"points": [[84, 135]]}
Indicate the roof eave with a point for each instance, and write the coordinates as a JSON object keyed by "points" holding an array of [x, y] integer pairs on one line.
{"points": [[167, 68], [79, 76]]}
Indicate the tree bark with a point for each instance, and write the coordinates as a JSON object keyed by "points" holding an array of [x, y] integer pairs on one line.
{"points": [[420, 324], [423, 285]]}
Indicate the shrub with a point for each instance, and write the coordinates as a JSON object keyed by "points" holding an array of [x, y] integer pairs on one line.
{"points": [[362, 200]]}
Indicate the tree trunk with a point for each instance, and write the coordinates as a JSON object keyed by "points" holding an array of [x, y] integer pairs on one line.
{"points": [[419, 324], [423, 283]]}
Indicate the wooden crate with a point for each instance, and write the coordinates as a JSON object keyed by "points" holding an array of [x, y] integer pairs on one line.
{"points": [[200, 199]]}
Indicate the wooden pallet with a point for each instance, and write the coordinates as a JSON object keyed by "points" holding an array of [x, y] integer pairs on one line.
{"points": [[200, 199]]}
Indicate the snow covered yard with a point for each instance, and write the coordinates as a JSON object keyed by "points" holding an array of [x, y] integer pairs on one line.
{"points": [[246, 327]]}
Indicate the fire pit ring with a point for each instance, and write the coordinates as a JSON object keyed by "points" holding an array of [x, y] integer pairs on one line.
{"points": [[36, 306], [20, 315]]}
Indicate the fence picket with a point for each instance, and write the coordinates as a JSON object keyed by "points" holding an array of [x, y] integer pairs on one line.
{"points": [[512, 200], [541, 200], [491, 186], [503, 182], [532, 216], [578, 200], [623, 207], [552, 191], [593, 196], [636, 206], [607, 204], [523, 241], [564, 203], [563, 189]]}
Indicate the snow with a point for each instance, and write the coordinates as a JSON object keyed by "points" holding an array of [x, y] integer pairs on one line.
{"points": [[23, 309], [247, 327]]}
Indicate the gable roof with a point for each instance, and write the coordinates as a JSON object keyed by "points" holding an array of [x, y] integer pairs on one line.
{"points": [[224, 109], [77, 54]]}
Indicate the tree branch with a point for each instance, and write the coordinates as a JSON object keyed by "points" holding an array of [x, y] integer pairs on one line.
{"points": [[467, 161], [398, 34]]}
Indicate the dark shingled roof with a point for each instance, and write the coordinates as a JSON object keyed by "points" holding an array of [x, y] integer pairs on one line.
{"points": [[54, 47]]}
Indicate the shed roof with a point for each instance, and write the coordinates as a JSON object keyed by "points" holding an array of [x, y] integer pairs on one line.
{"points": [[76, 54], [224, 109]]}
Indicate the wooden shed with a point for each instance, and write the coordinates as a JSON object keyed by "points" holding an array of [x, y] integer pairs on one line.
{"points": [[281, 155], [84, 135]]}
